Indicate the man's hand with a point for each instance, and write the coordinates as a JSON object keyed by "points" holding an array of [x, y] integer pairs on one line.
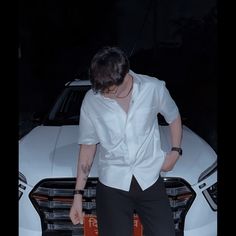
{"points": [[76, 213], [170, 160]]}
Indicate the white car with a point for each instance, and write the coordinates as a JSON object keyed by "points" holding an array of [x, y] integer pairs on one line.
{"points": [[47, 169]]}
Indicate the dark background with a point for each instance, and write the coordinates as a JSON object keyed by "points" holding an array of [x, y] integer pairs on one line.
{"points": [[175, 41]]}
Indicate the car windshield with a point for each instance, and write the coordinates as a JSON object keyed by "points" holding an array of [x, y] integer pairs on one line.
{"points": [[66, 110]]}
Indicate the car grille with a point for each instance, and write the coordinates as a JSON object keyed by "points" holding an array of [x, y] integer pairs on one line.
{"points": [[52, 198]]}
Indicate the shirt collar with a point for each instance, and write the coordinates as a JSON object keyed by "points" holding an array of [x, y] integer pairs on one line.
{"points": [[137, 83]]}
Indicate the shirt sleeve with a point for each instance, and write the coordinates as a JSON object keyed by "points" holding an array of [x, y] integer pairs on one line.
{"points": [[167, 106], [87, 132]]}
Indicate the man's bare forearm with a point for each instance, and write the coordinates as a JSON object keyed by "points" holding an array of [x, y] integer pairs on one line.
{"points": [[86, 156], [176, 136], [176, 132]]}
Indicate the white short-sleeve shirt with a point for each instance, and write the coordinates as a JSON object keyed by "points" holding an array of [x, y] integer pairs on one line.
{"points": [[129, 142]]}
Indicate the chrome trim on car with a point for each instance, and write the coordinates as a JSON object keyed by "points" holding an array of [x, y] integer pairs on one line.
{"points": [[209, 171]]}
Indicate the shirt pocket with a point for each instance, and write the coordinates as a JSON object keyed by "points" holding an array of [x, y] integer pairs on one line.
{"points": [[144, 119]]}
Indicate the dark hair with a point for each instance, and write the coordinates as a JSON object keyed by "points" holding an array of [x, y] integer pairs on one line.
{"points": [[108, 67]]}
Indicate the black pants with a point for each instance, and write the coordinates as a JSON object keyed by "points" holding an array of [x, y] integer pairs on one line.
{"points": [[115, 210]]}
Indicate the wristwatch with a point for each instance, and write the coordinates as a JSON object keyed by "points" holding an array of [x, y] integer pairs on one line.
{"points": [[177, 149], [78, 191]]}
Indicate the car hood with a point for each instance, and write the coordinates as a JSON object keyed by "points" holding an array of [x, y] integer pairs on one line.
{"points": [[197, 156], [52, 151]]}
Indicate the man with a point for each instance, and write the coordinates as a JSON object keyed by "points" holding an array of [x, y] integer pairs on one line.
{"points": [[120, 113]]}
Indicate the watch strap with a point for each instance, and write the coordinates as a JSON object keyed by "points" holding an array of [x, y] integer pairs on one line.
{"points": [[177, 149], [78, 191]]}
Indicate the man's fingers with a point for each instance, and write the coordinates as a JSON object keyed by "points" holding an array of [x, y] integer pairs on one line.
{"points": [[77, 218], [81, 221], [75, 221]]}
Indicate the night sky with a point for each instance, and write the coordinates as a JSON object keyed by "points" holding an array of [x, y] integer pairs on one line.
{"points": [[175, 41]]}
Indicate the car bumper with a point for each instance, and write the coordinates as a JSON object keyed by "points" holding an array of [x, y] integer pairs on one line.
{"points": [[206, 230], [29, 220], [27, 232], [201, 219]]}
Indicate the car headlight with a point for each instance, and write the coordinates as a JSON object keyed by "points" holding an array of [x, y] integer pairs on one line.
{"points": [[210, 193], [211, 196], [21, 186]]}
